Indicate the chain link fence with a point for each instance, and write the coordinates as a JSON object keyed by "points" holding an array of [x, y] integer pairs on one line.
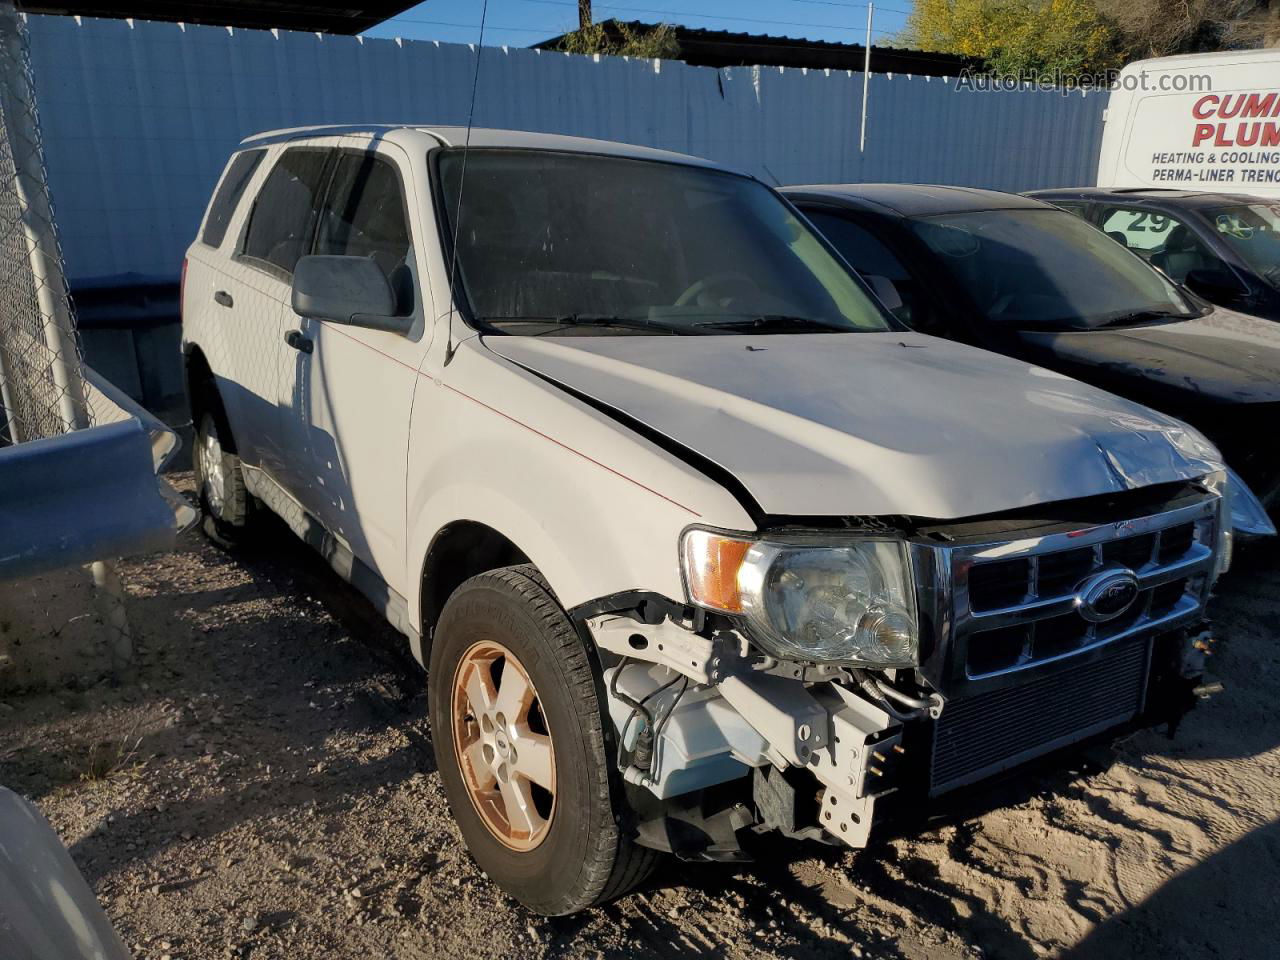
{"points": [[40, 364], [42, 382]]}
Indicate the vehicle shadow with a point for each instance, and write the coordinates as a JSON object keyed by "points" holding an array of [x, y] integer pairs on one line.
{"points": [[1223, 906], [252, 665], [814, 907]]}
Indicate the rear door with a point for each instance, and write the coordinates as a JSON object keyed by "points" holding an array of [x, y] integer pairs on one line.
{"points": [[278, 230], [210, 280], [352, 393]]}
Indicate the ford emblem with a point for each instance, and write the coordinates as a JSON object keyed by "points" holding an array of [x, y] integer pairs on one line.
{"points": [[1106, 595]]}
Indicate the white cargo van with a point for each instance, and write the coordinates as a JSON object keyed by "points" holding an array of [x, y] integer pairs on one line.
{"points": [[1207, 121]]}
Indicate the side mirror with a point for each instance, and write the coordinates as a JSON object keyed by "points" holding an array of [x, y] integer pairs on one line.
{"points": [[348, 290], [1217, 286], [885, 290]]}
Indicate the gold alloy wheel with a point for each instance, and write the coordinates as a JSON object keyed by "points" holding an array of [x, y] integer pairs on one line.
{"points": [[503, 745]]}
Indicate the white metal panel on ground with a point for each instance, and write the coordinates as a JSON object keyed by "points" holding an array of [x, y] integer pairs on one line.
{"points": [[139, 119]]}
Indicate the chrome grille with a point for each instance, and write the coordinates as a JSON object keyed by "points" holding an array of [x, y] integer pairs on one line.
{"points": [[1016, 605], [1022, 671]]}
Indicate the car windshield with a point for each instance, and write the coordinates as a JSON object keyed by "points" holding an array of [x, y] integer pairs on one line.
{"points": [[1049, 270], [1253, 231], [552, 244]]}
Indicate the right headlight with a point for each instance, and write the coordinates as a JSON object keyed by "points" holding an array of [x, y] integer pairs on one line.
{"points": [[1248, 515], [1242, 514], [849, 602]]}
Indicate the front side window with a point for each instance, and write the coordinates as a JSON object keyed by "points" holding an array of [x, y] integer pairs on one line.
{"points": [[1048, 270], [1163, 241], [1252, 230], [280, 224], [548, 241], [364, 216]]}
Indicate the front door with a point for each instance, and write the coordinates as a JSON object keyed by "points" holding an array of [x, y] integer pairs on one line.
{"points": [[352, 394]]}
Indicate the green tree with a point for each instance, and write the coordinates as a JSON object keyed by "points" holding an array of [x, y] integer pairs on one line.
{"points": [[618, 39], [1019, 37]]}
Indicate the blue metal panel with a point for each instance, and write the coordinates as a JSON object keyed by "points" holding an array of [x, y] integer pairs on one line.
{"points": [[138, 120]]}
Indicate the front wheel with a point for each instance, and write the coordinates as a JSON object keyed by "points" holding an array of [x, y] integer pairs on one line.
{"points": [[520, 743]]}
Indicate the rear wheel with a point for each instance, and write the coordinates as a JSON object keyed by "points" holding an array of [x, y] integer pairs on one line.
{"points": [[520, 743], [219, 483]]}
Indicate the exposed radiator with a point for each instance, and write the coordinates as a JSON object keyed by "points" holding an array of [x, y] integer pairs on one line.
{"points": [[981, 735]]}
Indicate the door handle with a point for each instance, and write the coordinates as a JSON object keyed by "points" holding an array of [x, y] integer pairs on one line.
{"points": [[223, 299], [295, 339]]}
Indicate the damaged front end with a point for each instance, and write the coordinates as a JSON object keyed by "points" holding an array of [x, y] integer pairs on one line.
{"points": [[813, 672]]}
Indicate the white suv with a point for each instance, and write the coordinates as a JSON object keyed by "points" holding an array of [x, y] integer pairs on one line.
{"points": [[693, 538]]}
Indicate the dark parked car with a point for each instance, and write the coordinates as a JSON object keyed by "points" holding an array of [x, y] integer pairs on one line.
{"points": [[1024, 278], [1224, 246]]}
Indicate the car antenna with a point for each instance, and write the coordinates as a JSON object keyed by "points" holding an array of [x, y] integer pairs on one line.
{"points": [[462, 179]]}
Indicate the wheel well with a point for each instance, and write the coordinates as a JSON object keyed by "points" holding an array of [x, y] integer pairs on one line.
{"points": [[202, 395], [196, 372], [459, 552]]}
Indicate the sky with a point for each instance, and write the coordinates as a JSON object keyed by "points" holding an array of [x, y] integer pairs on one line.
{"points": [[522, 23]]}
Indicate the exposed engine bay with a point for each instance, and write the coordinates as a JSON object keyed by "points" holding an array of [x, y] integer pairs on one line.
{"points": [[1033, 635]]}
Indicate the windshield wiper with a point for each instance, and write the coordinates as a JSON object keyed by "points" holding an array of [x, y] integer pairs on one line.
{"points": [[591, 320], [1139, 317], [775, 322]]}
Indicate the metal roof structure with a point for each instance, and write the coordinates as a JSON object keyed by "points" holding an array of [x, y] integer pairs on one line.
{"points": [[323, 16]]}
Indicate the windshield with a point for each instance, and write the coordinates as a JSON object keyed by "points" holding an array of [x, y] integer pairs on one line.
{"points": [[1048, 270], [1253, 231], [563, 243]]}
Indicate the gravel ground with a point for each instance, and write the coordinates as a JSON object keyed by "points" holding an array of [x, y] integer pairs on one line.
{"points": [[265, 787]]}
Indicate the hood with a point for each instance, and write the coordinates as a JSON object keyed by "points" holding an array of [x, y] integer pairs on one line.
{"points": [[874, 423], [1225, 356]]}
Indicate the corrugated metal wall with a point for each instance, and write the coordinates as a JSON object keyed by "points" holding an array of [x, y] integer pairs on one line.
{"points": [[138, 120]]}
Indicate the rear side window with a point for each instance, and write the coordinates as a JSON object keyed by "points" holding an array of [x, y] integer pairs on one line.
{"points": [[280, 224], [228, 196]]}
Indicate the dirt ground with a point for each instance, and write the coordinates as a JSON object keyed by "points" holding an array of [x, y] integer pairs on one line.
{"points": [[265, 787]]}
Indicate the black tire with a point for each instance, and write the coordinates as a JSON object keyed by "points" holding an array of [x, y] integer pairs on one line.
{"points": [[584, 858], [224, 506]]}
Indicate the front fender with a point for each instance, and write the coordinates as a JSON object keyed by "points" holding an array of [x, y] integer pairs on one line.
{"points": [[595, 507]]}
